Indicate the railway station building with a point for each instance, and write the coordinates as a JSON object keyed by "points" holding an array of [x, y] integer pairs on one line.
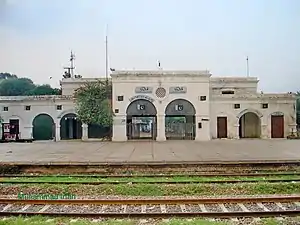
{"points": [[160, 105]]}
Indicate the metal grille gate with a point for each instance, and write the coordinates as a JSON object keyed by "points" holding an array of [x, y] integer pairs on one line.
{"points": [[180, 131]]}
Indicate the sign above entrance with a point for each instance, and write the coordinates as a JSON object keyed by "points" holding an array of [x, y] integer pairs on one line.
{"points": [[277, 114], [144, 90], [145, 97], [177, 90]]}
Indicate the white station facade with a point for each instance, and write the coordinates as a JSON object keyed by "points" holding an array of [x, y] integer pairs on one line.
{"points": [[160, 105]]}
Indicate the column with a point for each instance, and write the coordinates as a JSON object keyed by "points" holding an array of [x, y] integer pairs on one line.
{"points": [[84, 132], [119, 128], [236, 131], [57, 131], [26, 132], [203, 132], [264, 131], [161, 135]]}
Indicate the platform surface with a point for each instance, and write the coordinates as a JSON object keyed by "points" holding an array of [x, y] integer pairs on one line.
{"points": [[150, 152]]}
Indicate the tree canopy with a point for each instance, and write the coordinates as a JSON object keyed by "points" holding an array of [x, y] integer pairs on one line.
{"points": [[7, 75], [11, 85], [44, 89], [93, 103]]}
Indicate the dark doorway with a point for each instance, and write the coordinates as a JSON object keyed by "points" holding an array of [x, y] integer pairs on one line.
{"points": [[222, 127], [141, 120], [14, 129], [277, 126], [180, 120], [70, 127], [43, 127], [249, 126]]}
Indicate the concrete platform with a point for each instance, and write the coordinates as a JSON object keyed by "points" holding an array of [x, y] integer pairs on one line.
{"points": [[150, 152]]}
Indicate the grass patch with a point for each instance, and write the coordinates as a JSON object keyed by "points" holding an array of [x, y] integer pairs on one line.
{"points": [[39, 220], [154, 189], [145, 179]]}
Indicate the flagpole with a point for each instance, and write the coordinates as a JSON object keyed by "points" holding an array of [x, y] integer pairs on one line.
{"points": [[247, 66]]}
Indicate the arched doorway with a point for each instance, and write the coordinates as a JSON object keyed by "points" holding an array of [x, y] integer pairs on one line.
{"points": [[250, 126], [70, 127], [180, 120], [141, 120], [43, 127]]}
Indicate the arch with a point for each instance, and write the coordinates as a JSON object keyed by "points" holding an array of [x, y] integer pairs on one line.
{"points": [[141, 120], [141, 107], [188, 108], [243, 112], [72, 111], [249, 125], [180, 120], [70, 127], [43, 127]]}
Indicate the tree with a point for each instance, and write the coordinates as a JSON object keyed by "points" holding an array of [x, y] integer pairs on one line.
{"points": [[44, 89], [15, 86], [93, 103], [7, 75]]}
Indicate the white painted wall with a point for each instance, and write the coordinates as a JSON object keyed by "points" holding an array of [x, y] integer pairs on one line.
{"points": [[198, 83], [39, 105]]}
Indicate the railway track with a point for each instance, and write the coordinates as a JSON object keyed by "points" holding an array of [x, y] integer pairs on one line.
{"points": [[155, 208], [130, 175], [152, 182]]}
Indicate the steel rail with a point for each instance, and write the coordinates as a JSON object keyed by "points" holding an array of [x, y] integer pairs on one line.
{"points": [[151, 182], [160, 163], [154, 175], [161, 215], [150, 201]]}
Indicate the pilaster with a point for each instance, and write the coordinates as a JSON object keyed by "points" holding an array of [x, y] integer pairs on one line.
{"points": [[161, 127], [84, 132], [57, 131]]}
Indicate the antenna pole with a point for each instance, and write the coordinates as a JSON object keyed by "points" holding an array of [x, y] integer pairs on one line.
{"points": [[247, 66], [72, 64]]}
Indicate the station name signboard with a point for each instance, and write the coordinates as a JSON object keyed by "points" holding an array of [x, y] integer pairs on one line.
{"points": [[145, 97], [177, 90], [144, 90]]}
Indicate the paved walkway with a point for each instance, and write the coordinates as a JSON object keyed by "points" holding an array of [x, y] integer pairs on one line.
{"points": [[170, 151]]}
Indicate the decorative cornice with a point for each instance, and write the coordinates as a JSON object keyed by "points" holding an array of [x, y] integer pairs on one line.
{"points": [[159, 73], [36, 98], [291, 97]]}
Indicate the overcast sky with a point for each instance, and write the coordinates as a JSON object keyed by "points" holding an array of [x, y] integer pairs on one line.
{"points": [[36, 37]]}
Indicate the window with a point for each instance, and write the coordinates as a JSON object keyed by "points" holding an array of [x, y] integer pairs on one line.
{"points": [[116, 110], [120, 98], [265, 105], [27, 107], [59, 107], [227, 92], [5, 108], [237, 106], [202, 98]]}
